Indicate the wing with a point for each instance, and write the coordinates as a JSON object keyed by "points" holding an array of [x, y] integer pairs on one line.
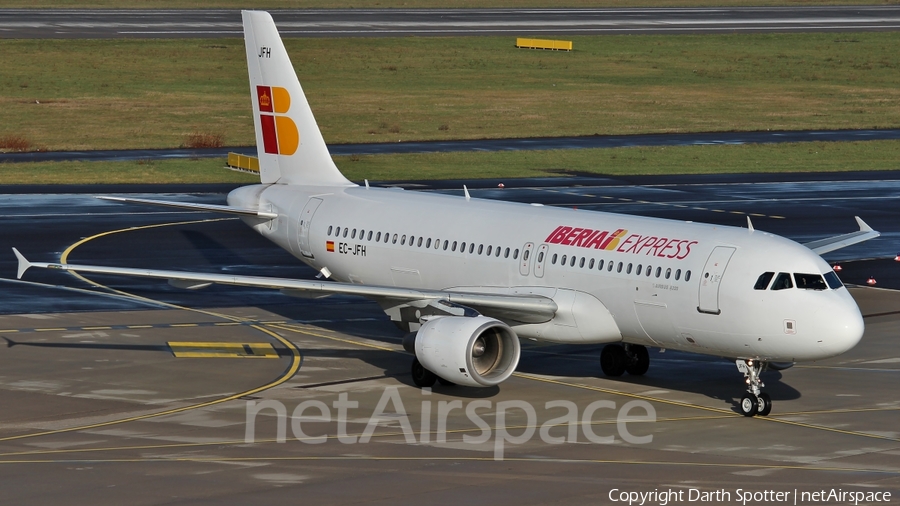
{"points": [[522, 308], [842, 241], [196, 207]]}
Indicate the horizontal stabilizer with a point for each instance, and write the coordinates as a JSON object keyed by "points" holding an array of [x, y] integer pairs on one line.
{"points": [[196, 207], [864, 233]]}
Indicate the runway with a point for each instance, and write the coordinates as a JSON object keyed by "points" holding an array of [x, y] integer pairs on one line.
{"points": [[89, 23], [98, 407], [531, 143]]}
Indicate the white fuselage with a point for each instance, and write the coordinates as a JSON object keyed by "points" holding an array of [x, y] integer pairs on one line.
{"points": [[656, 282]]}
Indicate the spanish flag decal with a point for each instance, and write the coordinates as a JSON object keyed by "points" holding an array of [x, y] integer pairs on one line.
{"points": [[329, 246], [280, 134]]}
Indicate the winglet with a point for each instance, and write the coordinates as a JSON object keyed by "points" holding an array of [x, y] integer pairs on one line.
{"points": [[750, 224], [24, 264], [863, 226]]}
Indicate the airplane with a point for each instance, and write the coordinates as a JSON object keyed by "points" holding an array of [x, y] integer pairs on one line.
{"points": [[467, 278]]}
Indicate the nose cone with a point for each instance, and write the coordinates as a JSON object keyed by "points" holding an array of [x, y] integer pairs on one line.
{"points": [[845, 325]]}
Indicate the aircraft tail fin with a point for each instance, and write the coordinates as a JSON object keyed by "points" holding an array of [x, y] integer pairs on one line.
{"points": [[290, 146]]}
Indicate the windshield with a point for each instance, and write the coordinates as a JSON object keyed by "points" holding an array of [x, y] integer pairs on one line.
{"points": [[810, 281]]}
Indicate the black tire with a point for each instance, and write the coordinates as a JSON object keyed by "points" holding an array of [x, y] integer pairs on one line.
{"points": [[639, 362], [764, 405], [613, 360], [423, 378], [446, 383], [749, 404]]}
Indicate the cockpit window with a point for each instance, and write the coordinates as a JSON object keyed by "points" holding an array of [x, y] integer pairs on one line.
{"points": [[782, 281], [762, 282], [810, 281], [833, 281]]}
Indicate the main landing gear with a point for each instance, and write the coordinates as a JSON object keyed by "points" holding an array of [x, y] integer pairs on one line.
{"points": [[617, 359], [754, 402]]}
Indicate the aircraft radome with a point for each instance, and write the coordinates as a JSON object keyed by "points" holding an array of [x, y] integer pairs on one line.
{"points": [[470, 277]]}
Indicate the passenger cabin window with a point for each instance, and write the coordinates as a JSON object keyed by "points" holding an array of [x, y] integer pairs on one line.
{"points": [[330, 228], [762, 282], [810, 281], [833, 281], [687, 276], [782, 282]]}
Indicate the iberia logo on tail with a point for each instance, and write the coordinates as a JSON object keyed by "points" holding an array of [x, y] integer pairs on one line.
{"points": [[280, 135]]}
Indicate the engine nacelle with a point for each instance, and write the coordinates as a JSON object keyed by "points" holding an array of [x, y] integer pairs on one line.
{"points": [[473, 351]]}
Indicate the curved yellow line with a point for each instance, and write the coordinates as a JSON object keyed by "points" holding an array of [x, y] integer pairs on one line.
{"points": [[296, 357]]}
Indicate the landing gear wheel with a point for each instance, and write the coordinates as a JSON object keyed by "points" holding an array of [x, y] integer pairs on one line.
{"points": [[613, 360], [423, 378], [446, 383], [764, 404], [749, 404], [639, 359]]}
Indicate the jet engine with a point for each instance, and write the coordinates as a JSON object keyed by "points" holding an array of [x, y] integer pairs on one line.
{"points": [[472, 351]]}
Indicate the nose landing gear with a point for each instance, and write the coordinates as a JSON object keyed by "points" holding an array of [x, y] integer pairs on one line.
{"points": [[754, 402]]}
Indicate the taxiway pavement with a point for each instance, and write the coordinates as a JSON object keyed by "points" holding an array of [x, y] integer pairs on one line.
{"points": [[155, 23], [97, 407]]}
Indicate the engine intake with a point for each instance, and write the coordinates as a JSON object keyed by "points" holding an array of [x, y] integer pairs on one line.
{"points": [[473, 351]]}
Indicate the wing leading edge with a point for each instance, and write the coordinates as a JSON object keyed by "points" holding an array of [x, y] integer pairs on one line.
{"points": [[864, 233], [523, 308]]}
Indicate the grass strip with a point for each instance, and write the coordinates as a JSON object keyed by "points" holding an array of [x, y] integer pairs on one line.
{"points": [[749, 158], [156, 93]]}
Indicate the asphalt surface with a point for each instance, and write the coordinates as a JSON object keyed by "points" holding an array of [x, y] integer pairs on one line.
{"points": [[533, 143], [98, 408], [88, 23]]}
